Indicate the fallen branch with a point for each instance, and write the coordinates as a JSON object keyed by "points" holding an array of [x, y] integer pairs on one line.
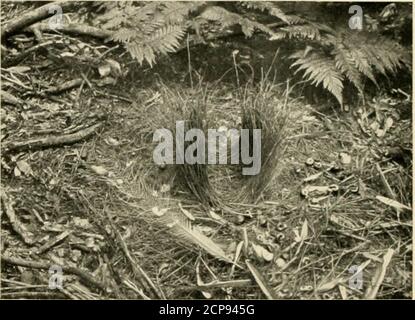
{"points": [[8, 98], [32, 295], [86, 277], [74, 29], [54, 241], [34, 16], [20, 57], [64, 86], [48, 142], [17, 226]]}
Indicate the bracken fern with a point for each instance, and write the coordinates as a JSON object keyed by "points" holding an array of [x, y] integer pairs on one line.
{"points": [[328, 56]]}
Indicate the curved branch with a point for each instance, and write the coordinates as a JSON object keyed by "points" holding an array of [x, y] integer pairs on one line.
{"points": [[33, 16], [51, 141], [75, 29]]}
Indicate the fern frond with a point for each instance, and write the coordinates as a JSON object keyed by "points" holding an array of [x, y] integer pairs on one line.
{"points": [[320, 69], [176, 12], [163, 41], [345, 63], [181, 227], [124, 35], [368, 53], [386, 55], [273, 10], [362, 63], [306, 31], [228, 19]]}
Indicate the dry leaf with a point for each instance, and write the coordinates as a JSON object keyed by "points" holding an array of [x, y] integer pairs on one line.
{"points": [[304, 231], [24, 167], [159, 212], [312, 177], [17, 172], [262, 253], [165, 188], [112, 142], [104, 70], [345, 158], [186, 213], [99, 170], [115, 67], [19, 69], [280, 263], [393, 203]]}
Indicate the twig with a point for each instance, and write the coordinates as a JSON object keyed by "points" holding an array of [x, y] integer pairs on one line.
{"points": [[20, 57], [220, 284], [53, 242], [68, 269], [379, 275], [34, 16], [32, 295], [51, 141], [17, 226], [385, 183], [260, 281], [8, 98], [75, 29], [64, 86], [387, 186]]}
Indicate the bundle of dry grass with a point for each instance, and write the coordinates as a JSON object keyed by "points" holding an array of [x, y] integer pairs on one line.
{"points": [[263, 108], [191, 107]]}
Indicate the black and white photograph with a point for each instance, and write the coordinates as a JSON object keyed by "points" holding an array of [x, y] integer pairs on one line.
{"points": [[206, 150]]}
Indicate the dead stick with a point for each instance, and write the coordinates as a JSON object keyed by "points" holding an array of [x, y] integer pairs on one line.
{"points": [[68, 269], [385, 183], [47, 142], [19, 58], [34, 16], [75, 29], [387, 186], [64, 86], [17, 226], [32, 295], [49, 244], [8, 98]]}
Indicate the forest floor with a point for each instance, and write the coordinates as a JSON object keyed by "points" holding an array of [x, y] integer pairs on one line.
{"points": [[91, 207]]}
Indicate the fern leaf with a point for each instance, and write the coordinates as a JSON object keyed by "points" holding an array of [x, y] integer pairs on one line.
{"points": [[162, 41], [227, 19], [387, 55], [273, 10], [176, 12], [320, 69], [362, 63], [297, 31], [344, 62], [124, 35]]}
